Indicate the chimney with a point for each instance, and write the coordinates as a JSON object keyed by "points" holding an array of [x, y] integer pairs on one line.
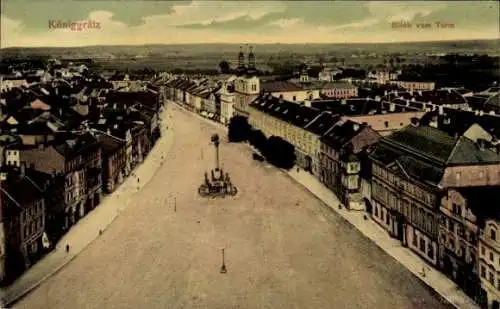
{"points": [[355, 126], [392, 107]]}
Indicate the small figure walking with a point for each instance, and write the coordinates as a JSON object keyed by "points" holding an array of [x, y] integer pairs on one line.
{"points": [[67, 248], [423, 271], [100, 232]]}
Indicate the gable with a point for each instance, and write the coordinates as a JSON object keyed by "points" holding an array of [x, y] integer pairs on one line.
{"points": [[456, 197], [12, 121]]}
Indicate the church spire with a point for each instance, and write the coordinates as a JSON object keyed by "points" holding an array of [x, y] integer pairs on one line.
{"points": [[251, 59], [241, 59]]}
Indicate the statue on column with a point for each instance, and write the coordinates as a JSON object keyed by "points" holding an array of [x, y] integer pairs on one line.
{"points": [[219, 184]]}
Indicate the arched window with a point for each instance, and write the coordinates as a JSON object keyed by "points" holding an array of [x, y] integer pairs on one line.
{"points": [[493, 234]]}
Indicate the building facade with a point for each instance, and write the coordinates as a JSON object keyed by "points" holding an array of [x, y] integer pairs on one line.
{"points": [[489, 263], [341, 161]]}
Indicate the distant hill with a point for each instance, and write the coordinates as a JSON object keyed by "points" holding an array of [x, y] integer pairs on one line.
{"points": [[473, 46]]}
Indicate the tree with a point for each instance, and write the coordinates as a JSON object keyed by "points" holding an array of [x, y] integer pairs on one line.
{"points": [[257, 139], [279, 153], [224, 67], [239, 129]]}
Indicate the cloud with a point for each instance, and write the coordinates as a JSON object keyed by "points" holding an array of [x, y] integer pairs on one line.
{"points": [[215, 12], [286, 23], [387, 11]]}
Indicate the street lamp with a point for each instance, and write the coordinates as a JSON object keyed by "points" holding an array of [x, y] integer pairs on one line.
{"points": [[223, 269]]}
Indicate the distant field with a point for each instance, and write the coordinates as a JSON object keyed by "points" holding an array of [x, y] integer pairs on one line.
{"points": [[208, 56], [163, 63]]}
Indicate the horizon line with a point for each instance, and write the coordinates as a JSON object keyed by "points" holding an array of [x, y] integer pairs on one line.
{"points": [[240, 43]]}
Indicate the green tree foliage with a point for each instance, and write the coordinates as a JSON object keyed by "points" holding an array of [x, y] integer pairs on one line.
{"points": [[279, 153], [224, 67], [239, 129], [257, 139]]}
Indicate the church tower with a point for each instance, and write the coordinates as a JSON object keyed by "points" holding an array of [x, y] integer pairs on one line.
{"points": [[241, 62], [252, 71], [251, 59], [304, 76]]}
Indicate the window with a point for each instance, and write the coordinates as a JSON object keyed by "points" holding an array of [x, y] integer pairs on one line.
{"points": [[422, 244], [414, 241], [457, 210], [376, 215], [462, 251], [430, 251], [483, 250], [387, 218], [483, 272], [294, 98], [491, 256], [458, 175], [493, 234], [491, 277]]}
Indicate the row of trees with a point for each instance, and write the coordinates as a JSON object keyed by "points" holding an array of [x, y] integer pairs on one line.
{"points": [[275, 150]]}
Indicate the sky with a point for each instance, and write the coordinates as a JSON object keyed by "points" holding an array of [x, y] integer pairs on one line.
{"points": [[34, 23]]}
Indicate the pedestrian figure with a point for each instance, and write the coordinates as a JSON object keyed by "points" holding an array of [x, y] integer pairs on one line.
{"points": [[423, 271], [137, 179], [67, 248], [100, 232]]}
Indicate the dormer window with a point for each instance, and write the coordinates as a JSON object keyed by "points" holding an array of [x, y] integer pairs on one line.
{"points": [[493, 234]]}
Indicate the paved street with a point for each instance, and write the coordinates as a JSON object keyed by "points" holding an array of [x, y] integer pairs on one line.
{"points": [[284, 249]]}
